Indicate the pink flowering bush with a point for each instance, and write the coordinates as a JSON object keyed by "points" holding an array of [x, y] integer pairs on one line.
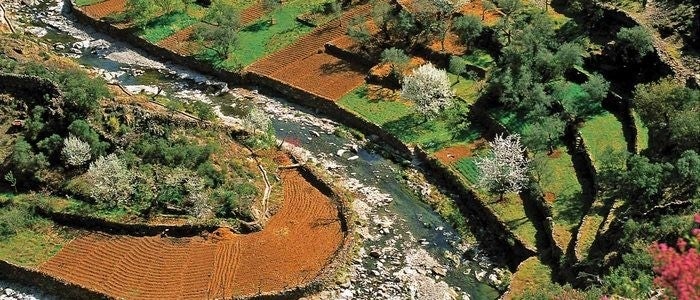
{"points": [[678, 269]]}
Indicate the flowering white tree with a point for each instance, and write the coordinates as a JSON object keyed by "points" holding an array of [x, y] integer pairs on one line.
{"points": [[429, 88], [505, 169], [75, 152], [111, 181], [258, 119]]}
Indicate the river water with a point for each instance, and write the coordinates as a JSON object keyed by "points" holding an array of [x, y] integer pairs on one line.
{"points": [[407, 251]]}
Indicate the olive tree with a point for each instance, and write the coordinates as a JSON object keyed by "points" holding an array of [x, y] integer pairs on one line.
{"points": [[397, 59], [219, 30], [429, 88], [468, 28], [75, 152], [637, 39], [505, 168]]}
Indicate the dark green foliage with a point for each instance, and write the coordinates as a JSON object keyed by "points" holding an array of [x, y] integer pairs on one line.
{"points": [[84, 132], [671, 111], [636, 40], [51, 146], [468, 28], [235, 201], [544, 134], [633, 278], [34, 126], [213, 177], [171, 153], [25, 162], [82, 93], [14, 218]]}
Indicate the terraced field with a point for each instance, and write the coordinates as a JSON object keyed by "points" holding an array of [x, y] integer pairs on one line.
{"points": [[218, 265], [106, 8]]}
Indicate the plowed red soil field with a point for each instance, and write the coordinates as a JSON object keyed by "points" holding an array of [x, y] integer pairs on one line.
{"points": [[304, 64], [180, 42], [307, 45], [451, 155], [324, 75], [106, 8], [292, 249]]}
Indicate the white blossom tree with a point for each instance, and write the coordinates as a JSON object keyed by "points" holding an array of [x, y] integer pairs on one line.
{"points": [[505, 169], [111, 181], [430, 89], [75, 152], [258, 119]]}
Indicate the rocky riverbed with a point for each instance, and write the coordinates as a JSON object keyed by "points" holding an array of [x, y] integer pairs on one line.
{"points": [[406, 250]]}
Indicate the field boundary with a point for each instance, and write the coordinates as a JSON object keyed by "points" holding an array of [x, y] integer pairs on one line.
{"points": [[32, 277]]}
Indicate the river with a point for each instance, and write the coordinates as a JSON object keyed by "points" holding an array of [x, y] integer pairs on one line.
{"points": [[406, 251]]}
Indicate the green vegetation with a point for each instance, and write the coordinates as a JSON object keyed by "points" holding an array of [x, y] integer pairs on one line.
{"points": [[603, 132], [87, 2], [642, 133], [511, 212], [468, 169], [162, 27], [26, 239], [262, 37]]}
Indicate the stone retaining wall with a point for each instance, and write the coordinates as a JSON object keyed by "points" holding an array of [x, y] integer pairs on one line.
{"points": [[56, 286], [469, 202]]}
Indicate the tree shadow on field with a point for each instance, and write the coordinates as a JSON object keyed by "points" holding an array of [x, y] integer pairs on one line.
{"points": [[570, 207], [260, 25], [342, 66], [414, 128], [323, 222]]}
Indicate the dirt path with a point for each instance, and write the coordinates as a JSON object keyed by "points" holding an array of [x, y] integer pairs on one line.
{"points": [[292, 249]]}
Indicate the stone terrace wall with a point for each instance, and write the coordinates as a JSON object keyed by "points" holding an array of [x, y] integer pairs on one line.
{"points": [[46, 282]]}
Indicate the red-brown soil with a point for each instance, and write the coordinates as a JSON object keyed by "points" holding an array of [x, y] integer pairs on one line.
{"points": [[181, 42], [323, 74], [453, 154], [304, 64], [306, 45], [453, 45], [292, 249], [252, 13], [476, 8], [106, 8]]}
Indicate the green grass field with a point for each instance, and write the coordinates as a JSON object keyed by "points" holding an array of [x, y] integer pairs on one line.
{"points": [[80, 3], [558, 179], [468, 169], [603, 132], [164, 26], [27, 239], [479, 58], [642, 133], [262, 38], [511, 212], [405, 123]]}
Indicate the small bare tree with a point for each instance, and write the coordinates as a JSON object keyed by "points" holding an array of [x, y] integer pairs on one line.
{"points": [[505, 169]]}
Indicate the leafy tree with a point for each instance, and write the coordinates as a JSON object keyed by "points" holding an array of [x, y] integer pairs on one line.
{"points": [[636, 39], [24, 161], [357, 30], [468, 28], [588, 103], [111, 181], [75, 152], [10, 178], [457, 66], [170, 6], [34, 126], [569, 55], [219, 32], [51, 146], [671, 111], [82, 130], [545, 134], [81, 92], [140, 12], [505, 169], [429, 88], [397, 59]]}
